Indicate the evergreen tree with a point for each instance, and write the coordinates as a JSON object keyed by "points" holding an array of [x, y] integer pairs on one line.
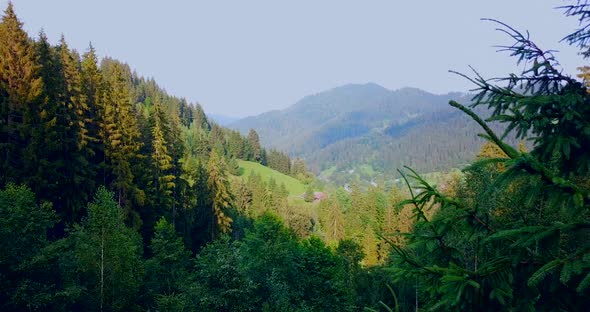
{"points": [[49, 166], [23, 227], [218, 186], [121, 133], [200, 119], [20, 91], [243, 197], [93, 89], [72, 115], [167, 271], [177, 152], [217, 139], [236, 145], [222, 283], [334, 220], [516, 238], [164, 180], [254, 146]]}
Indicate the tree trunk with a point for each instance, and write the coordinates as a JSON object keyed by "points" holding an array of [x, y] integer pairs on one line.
{"points": [[101, 268]]}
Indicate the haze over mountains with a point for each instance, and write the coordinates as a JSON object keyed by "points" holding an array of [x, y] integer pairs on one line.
{"points": [[222, 120], [367, 130]]}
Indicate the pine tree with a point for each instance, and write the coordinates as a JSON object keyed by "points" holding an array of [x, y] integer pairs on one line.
{"points": [[49, 135], [177, 152], [218, 186], [516, 238], [23, 226], [254, 146], [243, 197], [20, 91], [217, 139], [121, 133], [200, 119], [75, 152], [334, 220], [167, 271], [93, 89], [164, 180]]}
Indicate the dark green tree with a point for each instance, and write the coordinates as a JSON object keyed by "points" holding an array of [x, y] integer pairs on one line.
{"points": [[518, 238], [218, 185], [23, 226], [167, 272], [222, 284], [121, 133], [93, 89], [255, 150], [162, 163], [20, 95]]}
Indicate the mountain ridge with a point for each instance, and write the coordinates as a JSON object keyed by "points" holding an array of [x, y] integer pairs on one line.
{"points": [[369, 125]]}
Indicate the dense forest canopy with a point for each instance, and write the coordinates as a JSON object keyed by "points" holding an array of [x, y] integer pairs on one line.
{"points": [[116, 196]]}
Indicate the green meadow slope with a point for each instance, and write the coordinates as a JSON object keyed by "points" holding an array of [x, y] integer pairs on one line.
{"points": [[294, 186]]}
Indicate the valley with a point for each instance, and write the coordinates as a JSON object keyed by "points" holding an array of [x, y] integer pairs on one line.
{"points": [[118, 195]]}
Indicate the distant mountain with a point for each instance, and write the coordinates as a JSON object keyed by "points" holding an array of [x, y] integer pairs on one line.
{"points": [[222, 120], [367, 131]]}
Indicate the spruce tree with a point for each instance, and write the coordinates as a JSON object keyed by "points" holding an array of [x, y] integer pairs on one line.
{"points": [[516, 236], [20, 91], [168, 270], [218, 186], [254, 146], [334, 220], [164, 180], [48, 136], [75, 151], [121, 133], [23, 226], [93, 89]]}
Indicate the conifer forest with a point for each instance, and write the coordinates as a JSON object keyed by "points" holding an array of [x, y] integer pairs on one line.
{"points": [[118, 196]]}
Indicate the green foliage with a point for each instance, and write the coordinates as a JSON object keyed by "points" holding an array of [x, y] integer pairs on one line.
{"points": [[356, 127], [221, 282], [254, 151], [279, 161], [23, 226], [284, 269], [107, 257], [325, 271], [218, 185], [167, 272], [515, 235], [20, 92], [68, 125], [234, 167]]}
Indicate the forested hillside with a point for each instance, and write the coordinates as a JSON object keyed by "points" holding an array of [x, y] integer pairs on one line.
{"points": [[341, 131], [116, 196]]}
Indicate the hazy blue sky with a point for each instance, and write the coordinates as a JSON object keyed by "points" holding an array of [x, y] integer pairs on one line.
{"points": [[242, 58]]}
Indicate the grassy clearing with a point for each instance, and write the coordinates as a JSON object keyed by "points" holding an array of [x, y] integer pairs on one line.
{"points": [[294, 186]]}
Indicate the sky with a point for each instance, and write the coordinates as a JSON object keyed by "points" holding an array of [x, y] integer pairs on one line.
{"points": [[241, 58]]}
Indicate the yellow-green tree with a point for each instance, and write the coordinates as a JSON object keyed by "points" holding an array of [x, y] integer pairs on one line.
{"points": [[20, 90], [218, 185]]}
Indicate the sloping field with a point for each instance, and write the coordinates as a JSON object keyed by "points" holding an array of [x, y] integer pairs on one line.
{"points": [[294, 186]]}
